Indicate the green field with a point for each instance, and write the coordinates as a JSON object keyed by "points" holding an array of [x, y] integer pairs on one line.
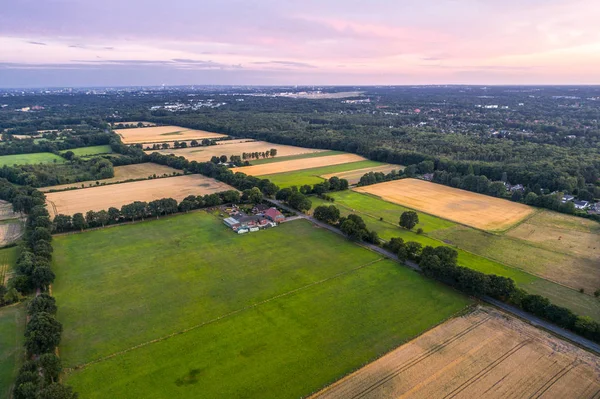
{"points": [[12, 353], [477, 250], [93, 150], [278, 313], [299, 156], [311, 176], [26, 159]]}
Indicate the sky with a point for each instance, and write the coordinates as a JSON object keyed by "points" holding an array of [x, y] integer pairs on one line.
{"points": [[46, 43]]}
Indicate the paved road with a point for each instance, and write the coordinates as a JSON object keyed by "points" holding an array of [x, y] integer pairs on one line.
{"points": [[535, 321]]}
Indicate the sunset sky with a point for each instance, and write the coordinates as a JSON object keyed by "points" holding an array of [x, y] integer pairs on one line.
{"points": [[152, 42]]}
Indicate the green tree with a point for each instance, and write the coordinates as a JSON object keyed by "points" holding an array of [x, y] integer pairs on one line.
{"points": [[62, 223], [51, 367], [409, 219], [42, 303], [42, 333], [79, 221], [328, 214], [57, 391], [352, 230]]}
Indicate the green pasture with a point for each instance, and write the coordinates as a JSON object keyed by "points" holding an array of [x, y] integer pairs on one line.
{"points": [[12, 352], [27, 159], [92, 150], [280, 312]]}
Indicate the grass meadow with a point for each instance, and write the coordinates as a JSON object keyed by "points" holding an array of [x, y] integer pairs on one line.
{"points": [[92, 150], [482, 251], [312, 176], [188, 308], [27, 159], [12, 352]]}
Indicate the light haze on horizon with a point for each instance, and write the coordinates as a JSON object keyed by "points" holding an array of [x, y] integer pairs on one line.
{"points": [[268, 42]]}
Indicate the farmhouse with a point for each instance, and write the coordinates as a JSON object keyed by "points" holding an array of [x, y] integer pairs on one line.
{"points": [[242, 223], [274, 215], [566, 198]]}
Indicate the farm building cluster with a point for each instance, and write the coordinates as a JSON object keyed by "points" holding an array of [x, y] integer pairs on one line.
{"points": [[261, 217]]}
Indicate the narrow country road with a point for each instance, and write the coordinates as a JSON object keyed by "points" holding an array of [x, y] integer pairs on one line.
{"points": [[535, 321]]}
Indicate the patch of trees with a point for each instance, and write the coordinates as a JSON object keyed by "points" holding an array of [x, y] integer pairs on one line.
{"points": [[246, 156], [294, 199], [67, 142], [332, 184], [353, 226], [140, 210], [49, 174]]}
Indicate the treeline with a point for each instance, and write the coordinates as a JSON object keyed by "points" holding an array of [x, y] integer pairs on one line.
{"points": [[441, 263], [39, 376], [141, 210], [298, 199], [182, 144]]}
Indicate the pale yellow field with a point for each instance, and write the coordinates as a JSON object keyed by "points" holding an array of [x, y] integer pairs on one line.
{"points": [[353, 176], [233, 147], [486, 354], [298, 164], [159, 134], [122, 173], [472, 209], [6, 211], [563, 233], [117, 195], [10, 232]]}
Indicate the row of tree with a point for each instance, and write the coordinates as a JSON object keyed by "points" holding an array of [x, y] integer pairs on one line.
{"points": [[441, 263], [140, 210], [182, 144], [39, 376]]}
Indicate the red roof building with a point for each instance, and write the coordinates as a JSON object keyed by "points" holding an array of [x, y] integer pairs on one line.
{"points": [[274, 215]]}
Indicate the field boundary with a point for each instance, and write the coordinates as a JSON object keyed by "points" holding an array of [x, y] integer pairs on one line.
{"points": [[82, 366]]}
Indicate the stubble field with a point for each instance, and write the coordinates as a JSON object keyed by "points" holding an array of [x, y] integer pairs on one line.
{"points": [[117, 195], [484, 354], [122, 173], [298, 164], [235, 147], [265, 315], [159, 134], [472, 209]]}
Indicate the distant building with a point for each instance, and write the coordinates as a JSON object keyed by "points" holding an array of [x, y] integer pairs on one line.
{"points": [[428, 176], [566, 198], [232, 223], [581, 204], [274, 215], [516, 187]]}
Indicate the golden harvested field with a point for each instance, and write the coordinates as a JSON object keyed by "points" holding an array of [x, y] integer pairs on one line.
{"points": [[485, 354], [117, 195], [122, 173], [561, 233], [159, 134], [234, 147], [298, 164], [353, 176], [472, 209]]}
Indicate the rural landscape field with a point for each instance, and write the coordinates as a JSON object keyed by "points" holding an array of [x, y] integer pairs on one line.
{"points": [[103, 197], [263, 324], [460, 206], [327, 242], [157, 134]]}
